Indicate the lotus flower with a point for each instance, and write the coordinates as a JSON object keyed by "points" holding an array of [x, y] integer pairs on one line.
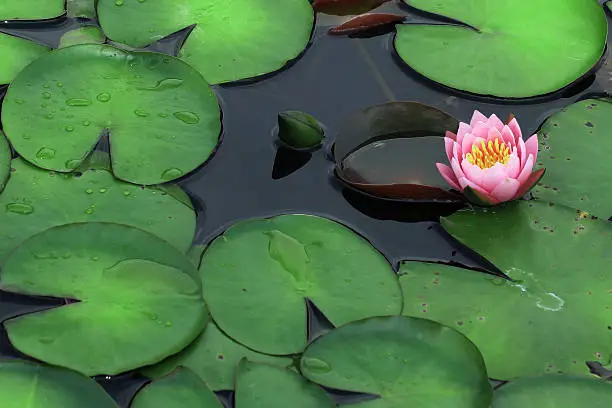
{"points": [[489, 161]]}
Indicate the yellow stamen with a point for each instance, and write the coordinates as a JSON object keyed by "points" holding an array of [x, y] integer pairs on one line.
{"points": [[487, 155]]}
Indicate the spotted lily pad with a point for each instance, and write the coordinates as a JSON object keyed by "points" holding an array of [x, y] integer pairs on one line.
{"points": [[139, 299], [263, 385], [558, 391], [495, 55], [232, 39], [268, 267], [162, 118], [31, 9], [35, 200], [575, 148], [213, 357], [25, 384], [554, 316], [17, 53], [404, 361], [181, 389]]}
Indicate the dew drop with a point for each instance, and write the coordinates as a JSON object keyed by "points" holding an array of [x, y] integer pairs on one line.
{"points": [[89, 211], [167, 83], [141, 113], [86, 123], [94, 258], [69, 128], [45, 153], [126, 193], [19, 208], [78, 102], [49, 116], [102, 190], [89, 191], [171, 174], [59, 84], [19, 101], [118, 3], [162, 115], [316, 365], [26, 137], [72, 163], [103, 97], [187, 117], [46, 340], [46, 95]]}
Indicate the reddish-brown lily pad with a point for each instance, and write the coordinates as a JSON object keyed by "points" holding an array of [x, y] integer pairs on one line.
{"points": [[365, 22]]}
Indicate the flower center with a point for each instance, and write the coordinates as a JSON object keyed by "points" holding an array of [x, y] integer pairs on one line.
{"points": [[487, 155]]}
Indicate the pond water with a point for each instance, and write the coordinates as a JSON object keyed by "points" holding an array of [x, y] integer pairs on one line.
{"points": [[251, 175]]}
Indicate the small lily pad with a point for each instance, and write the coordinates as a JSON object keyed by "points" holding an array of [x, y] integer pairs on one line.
{"points": [[162, 118], [136, 289], [17, 53], [232, 40], [493, 55], [405, 361], [556, 313], [575, 148], [181, 389], [35, 200], [31, 9], [28, 385], [268, 267], [213, 357], [82, 35], [558, 391], [263, 385], [299, 130]]}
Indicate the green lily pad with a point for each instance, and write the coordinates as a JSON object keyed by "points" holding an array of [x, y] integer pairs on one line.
{"points": [[265, 386], [35, 200], [31, 9], [139, 298], [82, 35], [162, 117], [257, 275], [554, 316], [232, 39], [299, 130], [17, 53], [181, 389], [407, 362], [575, 147], [27, 385], [5, 160], [81, 8], [213, 357], [500, 56], [558, 391]]}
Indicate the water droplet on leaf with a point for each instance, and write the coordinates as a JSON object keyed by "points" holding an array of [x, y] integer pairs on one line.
{"points": [[103, 97], [19, 208], [141, 113], [316, 365], [45, 153], [78, 102], [171, 174], [187, 117]]}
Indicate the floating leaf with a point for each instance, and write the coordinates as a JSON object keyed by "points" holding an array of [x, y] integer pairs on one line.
{"points": [[500, 57], [82, 35], [31, 9], [213, 357], [299, 130], [575, 147], [267, 267], [181, 389], [162, 117], [405, 361], [345, 7], [558, 391], [81, 8], [366, 22], [262, 385], [35, 200], [5, 161], [556, 313], [133, 287], [16, 54], [232, 40]]}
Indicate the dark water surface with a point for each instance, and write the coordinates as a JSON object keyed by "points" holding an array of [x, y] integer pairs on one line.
{"points": [[250, 176]]}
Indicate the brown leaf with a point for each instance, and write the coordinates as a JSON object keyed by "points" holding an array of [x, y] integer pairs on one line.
{"points": [[366, 22], [510, 117], [345, 7]]}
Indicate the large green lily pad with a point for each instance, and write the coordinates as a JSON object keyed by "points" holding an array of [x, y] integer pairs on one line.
{"points": [[558, 391], [554, 316], [181, 389], [232, 39], [17, 53], [5, 160], [213, 357], [28, 385], [140, 299], [575, 147], [407, 362], [162, 118], [31, 9], [264, 386], [501, 55], [257, 275], [35, 200]]}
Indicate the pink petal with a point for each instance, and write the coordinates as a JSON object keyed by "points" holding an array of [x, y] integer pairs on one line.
{"points": [[516, 129], [481, 130], [521, 151], [513, 167], [456, 150], [508, 137], [448, 144], [493, 176], [495, 122], [457, 168], [472, 172], [463, 182], [463, 129], [506, 190], [531, 146], [451, 135], [494, 134], [477, 117], [467, 143], [526, 170], [448, 175]]}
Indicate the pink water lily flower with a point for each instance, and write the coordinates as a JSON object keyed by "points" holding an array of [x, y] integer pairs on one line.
{"points": [[489, 161]]}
